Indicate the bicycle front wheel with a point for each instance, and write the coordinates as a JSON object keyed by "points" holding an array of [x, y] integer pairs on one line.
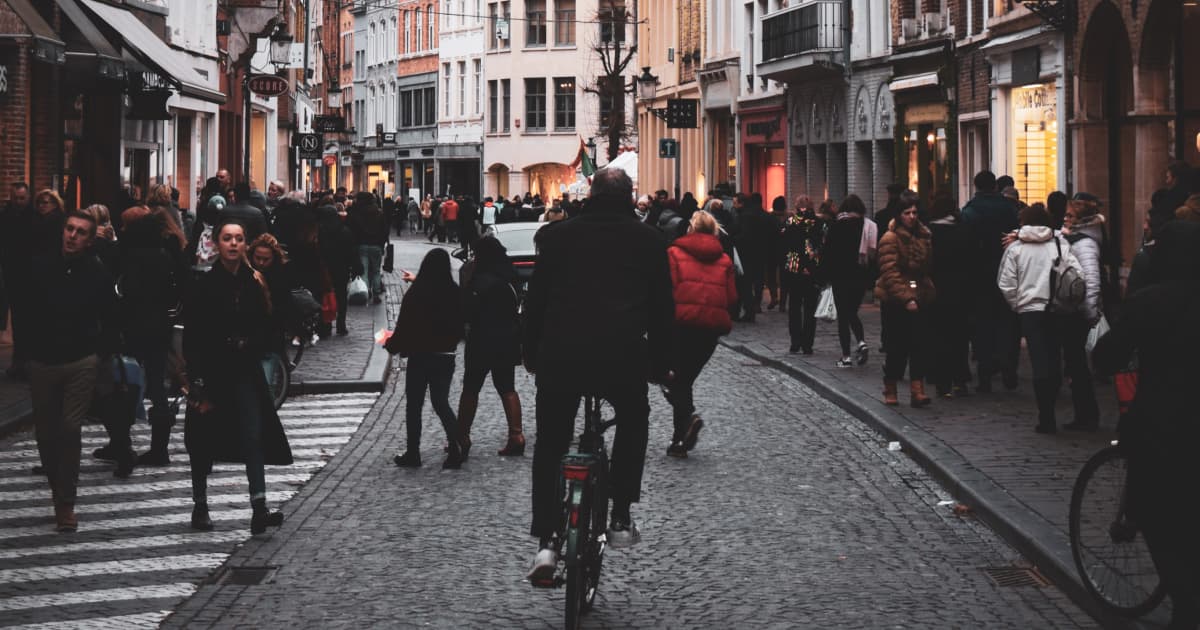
{"points": [[1109, 550]]}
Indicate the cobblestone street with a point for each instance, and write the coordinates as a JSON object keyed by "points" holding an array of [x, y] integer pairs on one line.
{"points": [[790, 513]]}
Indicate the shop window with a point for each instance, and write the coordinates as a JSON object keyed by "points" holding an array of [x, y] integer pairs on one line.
{"points": [[1035, 141]]}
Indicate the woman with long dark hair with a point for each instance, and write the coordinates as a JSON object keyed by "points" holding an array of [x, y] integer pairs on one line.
{"points": [[494, 341], [427, 332], [231, 416], [906, 294], [848, 276]]}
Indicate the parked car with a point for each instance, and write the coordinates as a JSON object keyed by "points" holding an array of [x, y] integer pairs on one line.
{"points": [[517, 239]]}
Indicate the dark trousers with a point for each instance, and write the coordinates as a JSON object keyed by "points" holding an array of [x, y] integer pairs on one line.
{"points": [[996, 337], [1042, 338], [847, 297], [907, 342], [61, 395], [340, 292], [248, 407], [1074, 333], [152, 353], [950, 361], [802, 321], [1155, 505], [17, 325], [432, 371], [693, 349], [749, 287], [556, 411]]}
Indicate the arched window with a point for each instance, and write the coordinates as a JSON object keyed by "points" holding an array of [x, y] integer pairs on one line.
{"points": [[392, 39], [407, 30], [371, 45], [417, 44], [392, 114], [432, 31]]}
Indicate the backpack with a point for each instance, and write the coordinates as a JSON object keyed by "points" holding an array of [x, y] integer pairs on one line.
{"points": [[1067, 286]]}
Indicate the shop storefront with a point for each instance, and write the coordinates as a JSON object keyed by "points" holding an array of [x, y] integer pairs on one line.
{"points": [[718, 88], [1028, 97], [926, 162], [764, 133]]}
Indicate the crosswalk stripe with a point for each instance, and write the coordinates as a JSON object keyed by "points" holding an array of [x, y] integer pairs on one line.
{"points": [[152, 591], [156, 486], [288, 423], [105, 472], [125, 622], [113, 567], [84, 509], [32, 457], [179, 518], [143, 439], [139, 542]]}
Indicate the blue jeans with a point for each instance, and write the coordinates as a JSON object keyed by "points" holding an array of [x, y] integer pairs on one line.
{"points": [[372, 260]]}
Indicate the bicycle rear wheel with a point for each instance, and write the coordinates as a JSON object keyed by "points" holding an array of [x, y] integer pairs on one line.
{"points": [[577, 559], [1109, 550], [279, 377]]}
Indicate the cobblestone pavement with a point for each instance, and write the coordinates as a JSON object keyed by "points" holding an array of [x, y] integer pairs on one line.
{"points": [[134, 556], [790, 513]]}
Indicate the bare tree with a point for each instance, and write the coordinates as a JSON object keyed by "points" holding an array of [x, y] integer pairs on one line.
{"points": [[611, 86]]}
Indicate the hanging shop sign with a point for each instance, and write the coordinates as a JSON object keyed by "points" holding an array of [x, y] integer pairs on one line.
{"points": [[267, 85]]}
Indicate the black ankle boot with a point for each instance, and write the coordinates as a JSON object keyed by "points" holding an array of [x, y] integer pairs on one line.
{"points": [[200, 519], [261, 518]]}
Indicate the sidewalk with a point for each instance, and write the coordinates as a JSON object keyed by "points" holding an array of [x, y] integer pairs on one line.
{"points": [[982, 447], [338, 364]]}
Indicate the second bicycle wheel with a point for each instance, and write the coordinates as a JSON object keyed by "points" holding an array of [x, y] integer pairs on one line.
{"points": [[1110, 553], [279, 378]]}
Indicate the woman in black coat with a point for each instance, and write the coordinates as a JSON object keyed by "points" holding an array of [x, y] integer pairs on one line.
{"points": [[1159, 433], [950, 369], [341, 260], [427, 332], [493, 343], [231, 416], [848, 276]]}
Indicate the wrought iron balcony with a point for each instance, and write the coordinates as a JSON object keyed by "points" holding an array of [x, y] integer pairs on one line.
{"points": [[802, 40]]}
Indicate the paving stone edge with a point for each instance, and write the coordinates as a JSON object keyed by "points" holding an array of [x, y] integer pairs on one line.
{"points": [[1032, 535]]}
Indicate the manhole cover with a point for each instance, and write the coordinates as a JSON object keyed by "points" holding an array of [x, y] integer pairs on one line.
{"points": [[1016, 576], [244, 576]]}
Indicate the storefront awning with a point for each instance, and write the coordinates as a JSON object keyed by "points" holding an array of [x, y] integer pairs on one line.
{"points": [[108, 61], [48, 46], [154, 52], [913, 81]]}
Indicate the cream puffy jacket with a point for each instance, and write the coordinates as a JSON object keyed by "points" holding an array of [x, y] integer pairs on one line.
{"points": [[1024, 276]]}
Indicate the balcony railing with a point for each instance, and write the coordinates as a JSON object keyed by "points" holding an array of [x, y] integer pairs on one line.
{"points": [[814, 26]]}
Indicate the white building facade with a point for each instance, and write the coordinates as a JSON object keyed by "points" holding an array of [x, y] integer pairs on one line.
{"points": [[461, 85]]}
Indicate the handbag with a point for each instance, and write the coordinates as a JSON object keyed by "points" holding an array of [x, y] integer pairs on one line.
{"points": [[1099, 330], [826, 308], [1126, 383], [389, 258], [329, 308], [356, 291]]}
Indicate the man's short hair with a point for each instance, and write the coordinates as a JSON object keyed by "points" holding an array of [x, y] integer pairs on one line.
{"points": [[985, 181], [1004, 181], [1034, 215], [242, 191], [1011, 192], [80, 214], [612, 184]]}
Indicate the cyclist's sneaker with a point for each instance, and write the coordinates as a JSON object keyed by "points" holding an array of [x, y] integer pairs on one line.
{"points": [[844, 362], [676, 450], [623, 533], [862, 353], [693, 433], [544, 565]]}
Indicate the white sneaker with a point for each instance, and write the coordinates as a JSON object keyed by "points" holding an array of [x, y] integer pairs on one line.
{"points": [[623, 534], [844, 362], [544, 565], [863, 353]]}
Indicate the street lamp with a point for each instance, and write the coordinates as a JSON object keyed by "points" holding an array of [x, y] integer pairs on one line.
{"points": [[281, 48], [334, 96], [647, 85], [591, 147]]}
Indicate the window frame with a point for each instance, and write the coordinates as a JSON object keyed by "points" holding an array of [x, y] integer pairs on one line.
{"points": [[535, 104], [564, 116]]}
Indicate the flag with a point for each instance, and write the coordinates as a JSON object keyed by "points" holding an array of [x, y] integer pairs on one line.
{"points": [[588, 166]]}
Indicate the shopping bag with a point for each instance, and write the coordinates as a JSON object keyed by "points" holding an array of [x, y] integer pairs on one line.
{"points": [[1097, 331], [356, 291], [826, 310], [389, 258], [737, 263], [119, 388], [329, 308]]}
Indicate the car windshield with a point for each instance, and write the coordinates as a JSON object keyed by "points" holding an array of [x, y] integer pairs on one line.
{"points": [[518, 242]]}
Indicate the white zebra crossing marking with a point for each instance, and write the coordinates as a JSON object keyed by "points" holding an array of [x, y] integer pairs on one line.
{"points": [[123, 622], [139, 542], [103, 472], [113, 567], [144, 440], [157, 486], [152, 591], [178, 518], [87, 509]]}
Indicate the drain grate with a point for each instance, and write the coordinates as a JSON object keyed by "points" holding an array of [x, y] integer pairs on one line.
{"points": [[1016, 576], [244, 576]]}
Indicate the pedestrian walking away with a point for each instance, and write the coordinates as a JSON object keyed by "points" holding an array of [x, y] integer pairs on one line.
{"points": [[847, 275], [802, 239], [704, 289], [906, 293], [427, 332], [494, 341], [1083, 228], [72, 322], [988, 217], [231, 414], [949, 366], [598, 320]]}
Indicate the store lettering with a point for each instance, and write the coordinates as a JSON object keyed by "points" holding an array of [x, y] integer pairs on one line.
{"points": [[766, 128]]}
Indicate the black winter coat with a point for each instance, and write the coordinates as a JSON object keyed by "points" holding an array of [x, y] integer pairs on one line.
{"points": [[952, 254], [599, 311], [150, 282], [227, 331], [839, 259], [71, 310], [253, 219], [987, 217], [369, 226], [490, 304], [338, 250], [756, 236]]}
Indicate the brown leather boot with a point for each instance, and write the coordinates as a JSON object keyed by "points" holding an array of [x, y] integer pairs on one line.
{"points": [[919, 399], [516, 438], [889, 393], [64, 517]]}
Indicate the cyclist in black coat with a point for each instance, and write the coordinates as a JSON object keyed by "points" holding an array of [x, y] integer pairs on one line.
{"points": [[599, 320], [1159, 434]]}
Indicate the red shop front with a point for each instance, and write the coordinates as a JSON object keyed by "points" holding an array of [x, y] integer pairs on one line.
{"points": [[764, 152]]}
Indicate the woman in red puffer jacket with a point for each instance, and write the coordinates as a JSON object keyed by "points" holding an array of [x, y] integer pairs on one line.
{"points": [[704, 291]]}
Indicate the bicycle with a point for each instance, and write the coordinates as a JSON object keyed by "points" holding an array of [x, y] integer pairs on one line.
{"points": [[1110, 553], [278, 366], [582, 535]]}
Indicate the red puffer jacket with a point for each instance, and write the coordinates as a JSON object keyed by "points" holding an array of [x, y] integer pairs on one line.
{"points": [[703, 278]]}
